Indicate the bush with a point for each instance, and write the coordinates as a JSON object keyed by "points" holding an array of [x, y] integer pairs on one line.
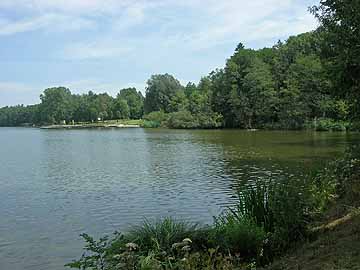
{"points": [[160, 235], [150, 124], [238, 236], [182, 119], [280, 209], [164, 244], [338, 182], [156, 119], [327, 124], [209, 120]]}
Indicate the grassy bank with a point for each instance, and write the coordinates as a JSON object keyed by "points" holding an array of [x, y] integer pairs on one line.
{"points": [[270, 219]]}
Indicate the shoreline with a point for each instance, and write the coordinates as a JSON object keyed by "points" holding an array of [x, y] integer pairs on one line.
{"points": [[83, 126]]}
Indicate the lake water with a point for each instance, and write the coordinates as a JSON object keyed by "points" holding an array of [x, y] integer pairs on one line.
{"points": [[56, 184]]}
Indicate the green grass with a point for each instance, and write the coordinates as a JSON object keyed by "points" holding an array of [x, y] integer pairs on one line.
{"points": [[161, 234]]}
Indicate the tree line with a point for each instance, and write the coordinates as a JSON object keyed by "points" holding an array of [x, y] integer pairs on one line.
{"points": [[309, 78], [59, 105]]}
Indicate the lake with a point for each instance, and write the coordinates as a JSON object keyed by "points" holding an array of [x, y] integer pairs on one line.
{"points": [[56, 184]]}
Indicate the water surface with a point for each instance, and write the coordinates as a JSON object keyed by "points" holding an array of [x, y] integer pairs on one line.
{"points": [[56, 184]]}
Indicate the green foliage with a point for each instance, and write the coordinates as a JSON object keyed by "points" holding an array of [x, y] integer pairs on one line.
{"points": [[290, 209], [156, 119], [59, 104], [211, 259], [182, 119], [239, 236], [266, 220], [347, 169], [19, 115], [252, 92], [327, 124], [190, 88], [178, 102], [340, 29], [338, 180], [209, 120], [95, 259], [160, 91], [160, 235], [280, 209], [323, 187], [121, 108], [56, 105], [284, 87], [186, 120], [161, 245], [134, 100]]}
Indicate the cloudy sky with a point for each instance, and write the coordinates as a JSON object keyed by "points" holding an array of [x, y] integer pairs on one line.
{"points": [[105, 45]]}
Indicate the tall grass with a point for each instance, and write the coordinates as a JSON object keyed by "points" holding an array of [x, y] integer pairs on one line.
{"points": [[281, 210], [161, 234], [254, 202], [238, 236]]}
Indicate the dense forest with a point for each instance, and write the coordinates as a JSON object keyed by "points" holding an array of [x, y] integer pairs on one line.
{"points": [[308, 81]]}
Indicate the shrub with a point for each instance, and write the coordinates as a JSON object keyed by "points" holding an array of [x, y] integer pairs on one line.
{"points": [[150, 124], [95, 256], [340, 178], [289, 208], [156, 119], [327, 124], [182, 119], [280, 209], [209, 120], [160, 235], [323, 187], [238, 236]]}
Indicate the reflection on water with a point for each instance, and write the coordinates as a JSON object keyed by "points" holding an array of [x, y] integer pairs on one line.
{"points": [[56, 184]]}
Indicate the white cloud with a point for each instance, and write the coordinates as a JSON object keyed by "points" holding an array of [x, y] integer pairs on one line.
{"points": [[13, 87], [248, 21], [68, 6], [94, 50], [210, 22], [132, 16], [45, 22], [12, 93], [281, 28], [187, 38]]}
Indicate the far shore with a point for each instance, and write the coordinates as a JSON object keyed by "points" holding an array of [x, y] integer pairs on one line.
{"points": [[96, 125]]}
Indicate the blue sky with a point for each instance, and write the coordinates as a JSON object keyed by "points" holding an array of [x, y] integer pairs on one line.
{"points": [[106, 45]]}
